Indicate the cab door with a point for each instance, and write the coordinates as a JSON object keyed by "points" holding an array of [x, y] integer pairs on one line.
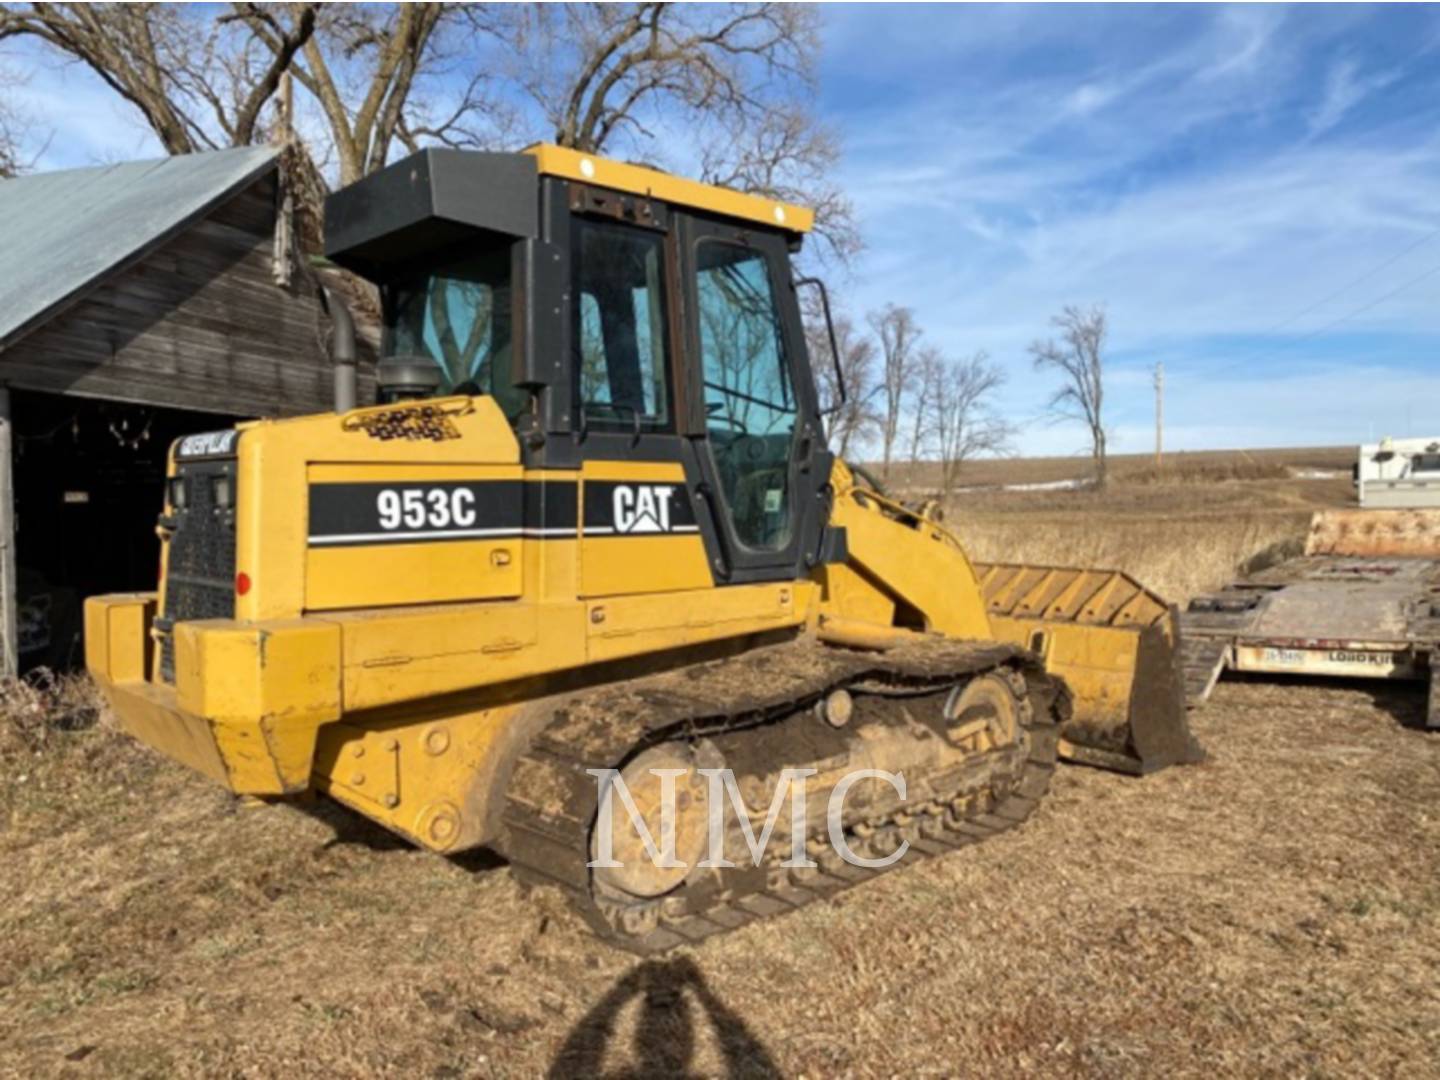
{"points": [[764, 470]]}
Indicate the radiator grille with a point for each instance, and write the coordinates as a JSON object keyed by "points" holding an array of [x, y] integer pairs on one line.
{"points": [[200, 573]]}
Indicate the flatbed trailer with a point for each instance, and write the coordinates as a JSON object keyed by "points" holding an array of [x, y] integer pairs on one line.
{"points": [[1363, 601]]}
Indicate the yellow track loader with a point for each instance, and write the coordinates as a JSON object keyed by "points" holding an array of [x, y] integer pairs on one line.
{"points": [[592, 534]]}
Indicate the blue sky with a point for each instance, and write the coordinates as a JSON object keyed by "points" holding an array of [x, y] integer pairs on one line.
{"points": [[1253, 192], [1208, 173]]}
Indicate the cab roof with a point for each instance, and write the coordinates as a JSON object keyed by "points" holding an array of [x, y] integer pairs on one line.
{"points": [[438, 197], [652, 183]]}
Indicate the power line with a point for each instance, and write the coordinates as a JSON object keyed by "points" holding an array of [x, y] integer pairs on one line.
{"points": [[1358, 281], [1366, 276], [1159, 411], [1266, 354]]}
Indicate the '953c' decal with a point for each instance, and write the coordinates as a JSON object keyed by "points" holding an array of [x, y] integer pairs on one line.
{"points": [[399, 513]]}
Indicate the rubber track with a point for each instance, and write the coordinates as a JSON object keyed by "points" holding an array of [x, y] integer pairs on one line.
{"points": [[551, 799]]}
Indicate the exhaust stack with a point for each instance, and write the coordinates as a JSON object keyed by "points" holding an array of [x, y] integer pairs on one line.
{"points": [[342, 350], [406, 378]]}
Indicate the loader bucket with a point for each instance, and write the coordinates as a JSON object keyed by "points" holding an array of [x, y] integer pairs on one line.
{"points": [[1366, 533], [1116, 644]]}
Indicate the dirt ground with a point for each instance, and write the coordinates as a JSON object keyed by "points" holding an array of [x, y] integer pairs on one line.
{"points": [[1273, 911]]}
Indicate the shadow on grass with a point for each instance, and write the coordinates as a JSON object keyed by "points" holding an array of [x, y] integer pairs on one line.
{"points": [[352, 829], [669, 991], [349, 828]]}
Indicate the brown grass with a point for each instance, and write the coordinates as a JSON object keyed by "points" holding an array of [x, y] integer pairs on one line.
{"points": [[1208, 472], [1184, 532], [1276, 911], [1177, 559], [1219, 464]]}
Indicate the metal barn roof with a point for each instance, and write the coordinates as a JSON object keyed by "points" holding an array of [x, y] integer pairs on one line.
{"points": [[62, 232]]}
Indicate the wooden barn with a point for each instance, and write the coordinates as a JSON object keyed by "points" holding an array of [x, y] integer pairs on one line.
{"points": [[138, 302]]}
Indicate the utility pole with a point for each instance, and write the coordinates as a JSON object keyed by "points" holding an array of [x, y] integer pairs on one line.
{"points": [[1159, 411]]}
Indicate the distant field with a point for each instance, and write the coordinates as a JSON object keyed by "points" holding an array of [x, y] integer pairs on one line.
{"points": [[1182, 529], [1123, 467]]}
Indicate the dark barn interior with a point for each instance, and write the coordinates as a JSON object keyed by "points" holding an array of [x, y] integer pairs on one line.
{"points": [[88, 484]]}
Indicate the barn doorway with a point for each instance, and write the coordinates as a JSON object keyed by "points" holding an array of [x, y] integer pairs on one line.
{"points": [[88, 488]]}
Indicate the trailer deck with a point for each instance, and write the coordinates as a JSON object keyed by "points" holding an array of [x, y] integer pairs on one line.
{"points": [[1362, 602]]}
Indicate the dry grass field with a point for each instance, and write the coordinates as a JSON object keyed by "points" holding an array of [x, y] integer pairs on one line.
{"points": [[1181, 466], [1274, 911], [1182, 529]]}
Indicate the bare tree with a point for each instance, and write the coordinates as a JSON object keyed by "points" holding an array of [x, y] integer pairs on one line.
{"points": [[199, 81], [854, 418], [929, 373], [789, 156], [737, 60], [897, 331], [15, 125], [10, 163], [365, 66], [1079, 357], [202, 77], [962, 422], [736, 79]]}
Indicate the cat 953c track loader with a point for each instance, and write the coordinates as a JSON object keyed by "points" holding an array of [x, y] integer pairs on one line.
{"points": [[593, 525]]}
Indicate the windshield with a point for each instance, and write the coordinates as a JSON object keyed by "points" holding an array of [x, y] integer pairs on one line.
{"points": [[459, 316], [749, 399]]}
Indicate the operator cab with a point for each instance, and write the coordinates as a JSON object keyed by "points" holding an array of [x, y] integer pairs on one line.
{"points": [[614, 313]]}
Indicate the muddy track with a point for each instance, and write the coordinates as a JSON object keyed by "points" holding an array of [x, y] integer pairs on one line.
{"points": [[552, 799]]}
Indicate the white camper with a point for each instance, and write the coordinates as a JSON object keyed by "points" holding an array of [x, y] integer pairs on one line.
{"points": [[1399, 473]]}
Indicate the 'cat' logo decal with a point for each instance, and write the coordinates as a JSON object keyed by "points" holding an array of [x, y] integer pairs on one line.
{"points": [[617, 508], [643, 508]]}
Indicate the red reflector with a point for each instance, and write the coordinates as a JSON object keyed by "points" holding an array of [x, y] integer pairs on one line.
{"points": [[242, 583]]}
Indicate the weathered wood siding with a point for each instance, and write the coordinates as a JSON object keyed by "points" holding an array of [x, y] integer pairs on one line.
{"points": [[199, 323]]}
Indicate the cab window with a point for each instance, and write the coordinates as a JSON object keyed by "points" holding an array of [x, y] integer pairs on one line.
{"points": [[458, 315], [621, 360]]}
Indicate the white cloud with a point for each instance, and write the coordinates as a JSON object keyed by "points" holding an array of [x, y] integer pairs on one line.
{"points": [[1345, 88], [1243, 39], [1091, 98]]}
